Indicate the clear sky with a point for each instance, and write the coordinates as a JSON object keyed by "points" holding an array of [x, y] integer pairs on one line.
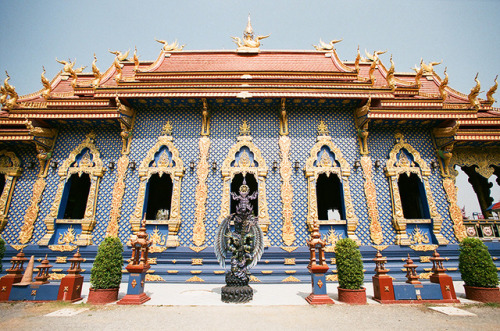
{"points": [[465, 34]]}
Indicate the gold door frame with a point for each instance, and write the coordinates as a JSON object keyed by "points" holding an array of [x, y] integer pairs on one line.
{"points": [[10, 166], [327, 167], [260, 173], [394, 168], [176, 173], [95, 170]]}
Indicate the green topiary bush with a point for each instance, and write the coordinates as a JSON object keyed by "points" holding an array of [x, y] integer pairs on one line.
{"points": [[475, 264], [2, 252], [106, 272], [349, 264]]}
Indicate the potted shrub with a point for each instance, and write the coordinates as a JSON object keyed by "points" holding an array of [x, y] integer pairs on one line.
{"points": [[350, 272], [106, 273], [478, 271]]}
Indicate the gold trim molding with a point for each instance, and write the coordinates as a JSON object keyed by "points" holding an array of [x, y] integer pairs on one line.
{"points": [[288, 230], [173, 168], [371, 201], [455, 212], [10, 167], [318, 164], [201, 193], [230, 167], [94, 168], [395, 166]]}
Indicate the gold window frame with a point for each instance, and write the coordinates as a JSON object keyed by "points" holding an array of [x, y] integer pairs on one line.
{"points": [[343, 172], [176, 173], [95, 170], [260, 172], [10, 166], [393, 169]]}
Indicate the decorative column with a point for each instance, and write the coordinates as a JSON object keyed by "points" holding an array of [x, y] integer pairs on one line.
{"points": [[383, 288], [202, 171], [362, 121], [317, 268], [44, 140], [127, 125], [14, 275], [288, 230], [137, 269], [71, 285]]}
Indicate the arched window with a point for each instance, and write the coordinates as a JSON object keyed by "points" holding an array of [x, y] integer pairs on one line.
{"points": [[73, 211], [328, 192], [158, 199], [412, 201], [251, 182]]}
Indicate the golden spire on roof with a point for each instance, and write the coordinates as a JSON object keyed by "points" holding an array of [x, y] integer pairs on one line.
{"points": [[46, 85], [322, 46], [390, 76], [356, 62], [97, 74], [493, 89], [11, 91], [474, 92], [442, 86], [136, 59], [248, 44]]}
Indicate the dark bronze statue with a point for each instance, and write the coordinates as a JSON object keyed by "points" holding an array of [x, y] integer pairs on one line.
{"points": [[245, 243]]}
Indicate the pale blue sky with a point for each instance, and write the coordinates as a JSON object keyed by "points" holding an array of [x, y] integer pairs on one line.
{"points": [[463, 33]]}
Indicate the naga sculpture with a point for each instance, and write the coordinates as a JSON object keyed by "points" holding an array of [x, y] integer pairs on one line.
{"points": [[246, 244]]}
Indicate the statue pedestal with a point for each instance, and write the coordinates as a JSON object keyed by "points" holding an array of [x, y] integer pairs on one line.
{"points": [[236, 290], [70, 288], [136, 281], [383, 288], [6, 283], [318, 282]]}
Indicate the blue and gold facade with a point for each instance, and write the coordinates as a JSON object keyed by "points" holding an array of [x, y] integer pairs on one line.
{"points": [[285, 129]]}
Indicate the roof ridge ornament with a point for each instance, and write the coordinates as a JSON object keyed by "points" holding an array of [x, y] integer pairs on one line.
{"points": [[492, 90], [443, 85], [136, 60], [374, 57], [474, 92], [46, 85], [9, 90], [322, 46], [119, 55], [429, 68], [97, 74], [249, 43], [173, 47]]}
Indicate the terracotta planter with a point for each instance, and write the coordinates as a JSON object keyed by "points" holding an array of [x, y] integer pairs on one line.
{"points": [[483, 294], [353, 297], [102, 296]]}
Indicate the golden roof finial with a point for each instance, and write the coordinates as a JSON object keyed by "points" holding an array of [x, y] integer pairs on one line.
{"points": [[390, 76], [442, 86], [10, 91], [474, 92], [248, 43], [322, 46], [429, 68], [492, 90], [167, 129], [322, 128], [174, 47], [244, 129], [356, 62], [136, 59], [119, 55], [374, 57], [46, 85], [97, 74]]}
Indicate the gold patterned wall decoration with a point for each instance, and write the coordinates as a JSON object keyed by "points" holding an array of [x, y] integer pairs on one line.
{"points": [[66, 241], [201, 193], [397, 164], [455, 212], [91, 164], [10, 168], [320, 162], [127, 125], [483, 158], [288, 230], [163, 165], [371, 201], [32, 212], [257, 167]]}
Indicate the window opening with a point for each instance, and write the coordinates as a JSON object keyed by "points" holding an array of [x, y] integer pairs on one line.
{"points": [[330, 198], [412, 197], [158, 196], [76, 203]]}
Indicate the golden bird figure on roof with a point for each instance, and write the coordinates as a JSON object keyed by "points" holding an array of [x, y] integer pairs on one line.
{"points": [[374, 57], [322, 46], [173, 47], [119, 55]]}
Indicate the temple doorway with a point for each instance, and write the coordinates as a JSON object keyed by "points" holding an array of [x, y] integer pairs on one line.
{"points": [[412, 196], [251, 182], [158, 196], [330, 198], [75, 198]]}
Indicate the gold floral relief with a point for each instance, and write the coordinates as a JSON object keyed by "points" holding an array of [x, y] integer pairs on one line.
{"points": [[260, 172], [93, 166], [10, 167], [32, 212], [314, 168], [173, 168], [288, 230], [118, 193], [455, 212], [201, 193], [371, 201], [397, 164]]}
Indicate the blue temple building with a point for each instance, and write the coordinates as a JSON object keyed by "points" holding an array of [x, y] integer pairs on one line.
{"points": [[368, 152]]}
